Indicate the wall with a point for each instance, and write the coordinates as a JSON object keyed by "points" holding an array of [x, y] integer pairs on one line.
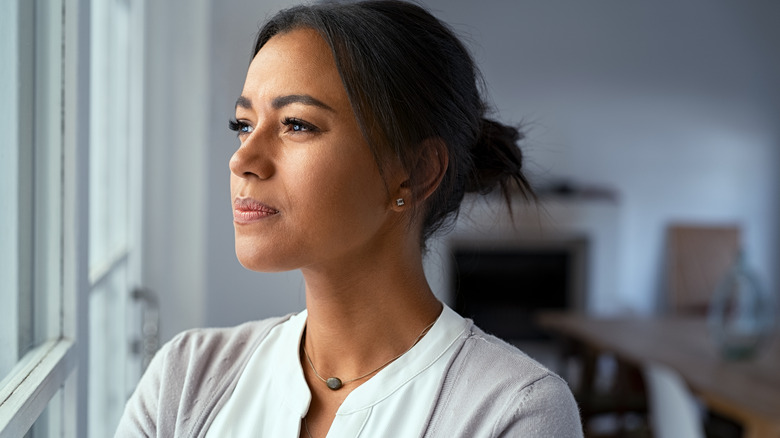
{"points": [[198, 52], [236, 294], [176, 83]]}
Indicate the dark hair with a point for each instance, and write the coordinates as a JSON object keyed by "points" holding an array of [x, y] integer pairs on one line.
{"points": [[408, 79]]}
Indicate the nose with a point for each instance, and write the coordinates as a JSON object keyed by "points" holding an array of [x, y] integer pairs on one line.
{"points": [[252, 159]]}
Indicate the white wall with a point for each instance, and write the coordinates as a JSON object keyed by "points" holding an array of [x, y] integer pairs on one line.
{"points": [[176, 103], [198, 55], [673, 103], [234, 293]]}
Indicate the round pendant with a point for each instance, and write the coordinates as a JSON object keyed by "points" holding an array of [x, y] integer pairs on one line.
{"points": [[334, 383]]}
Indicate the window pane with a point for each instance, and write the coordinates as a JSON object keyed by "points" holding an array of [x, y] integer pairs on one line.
{"points": [[33, 46], [108, 361], [109, 134], [114, 160], [47, 173], [16, 323]]}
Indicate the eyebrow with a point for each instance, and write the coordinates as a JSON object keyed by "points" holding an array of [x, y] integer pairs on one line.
{"points": [[243, 102], [305, 99], [282, 101]]}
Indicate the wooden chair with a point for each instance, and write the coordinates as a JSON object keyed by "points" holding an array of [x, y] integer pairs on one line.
{"points": [[697, 258]]}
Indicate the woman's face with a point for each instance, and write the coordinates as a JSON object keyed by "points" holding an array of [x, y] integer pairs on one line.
{"points": [[305, 187]]}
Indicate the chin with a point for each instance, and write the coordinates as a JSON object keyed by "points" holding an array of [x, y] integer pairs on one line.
{"points": [[261, 265], [259, 260], [255, 262]]}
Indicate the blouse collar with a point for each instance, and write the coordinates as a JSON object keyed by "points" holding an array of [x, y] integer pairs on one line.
{"points": [[294, 394]]}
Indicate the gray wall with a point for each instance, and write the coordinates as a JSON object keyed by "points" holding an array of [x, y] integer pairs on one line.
{"points": [[174, 221], [197, 54], [673, 104], [234, 293]]}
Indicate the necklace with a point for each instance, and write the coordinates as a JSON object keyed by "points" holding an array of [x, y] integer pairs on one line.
{"points": [[335, 383]]}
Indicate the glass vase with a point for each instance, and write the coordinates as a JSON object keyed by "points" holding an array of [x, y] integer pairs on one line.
{"points": [[741, 314]]}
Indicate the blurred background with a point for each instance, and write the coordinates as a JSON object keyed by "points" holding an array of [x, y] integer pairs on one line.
{"points": [[642, 118]]}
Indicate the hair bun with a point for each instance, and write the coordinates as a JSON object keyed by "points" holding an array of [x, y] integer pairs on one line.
{"points": [[497, 160]]}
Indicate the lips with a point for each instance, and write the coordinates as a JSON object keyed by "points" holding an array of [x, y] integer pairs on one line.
{"points": [[248, 210]]}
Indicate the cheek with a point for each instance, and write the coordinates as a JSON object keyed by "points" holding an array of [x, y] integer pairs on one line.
{"points": [[341, 183], [337, 196]]}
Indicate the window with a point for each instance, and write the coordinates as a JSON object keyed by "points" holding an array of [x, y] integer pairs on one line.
{"points": [[41, 189], [69, 202], [116, 72], [16, 320]]}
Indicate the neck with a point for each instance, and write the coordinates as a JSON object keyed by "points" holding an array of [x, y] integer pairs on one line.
{"points": [[361, 317]]}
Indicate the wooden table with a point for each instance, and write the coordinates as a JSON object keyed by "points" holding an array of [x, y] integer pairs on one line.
{"points": [[746, 391]]}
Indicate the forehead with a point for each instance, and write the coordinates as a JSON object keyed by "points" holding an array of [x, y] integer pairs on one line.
{"points": [[295, 62]]}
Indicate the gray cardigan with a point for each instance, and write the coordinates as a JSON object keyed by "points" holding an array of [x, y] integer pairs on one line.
{"points": [[491, 389]]}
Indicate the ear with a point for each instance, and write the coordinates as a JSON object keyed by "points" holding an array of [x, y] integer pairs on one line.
{"points": [[428, 170]]}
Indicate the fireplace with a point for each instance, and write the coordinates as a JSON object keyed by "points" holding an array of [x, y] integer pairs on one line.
{"points": [[502, 285]]}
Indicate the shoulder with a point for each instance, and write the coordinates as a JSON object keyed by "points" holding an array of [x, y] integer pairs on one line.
{"points": [[494, 389], [230, 341], [191, 374], [488, 357], [208, 358]]}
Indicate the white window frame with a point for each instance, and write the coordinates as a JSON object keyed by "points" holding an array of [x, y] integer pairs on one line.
{"points": [[48, 382]]}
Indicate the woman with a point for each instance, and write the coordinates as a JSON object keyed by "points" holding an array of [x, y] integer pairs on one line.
{"points": [[361, 129]]}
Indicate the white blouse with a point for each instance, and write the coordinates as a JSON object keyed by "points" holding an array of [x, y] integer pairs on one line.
{"points": [[271, 396]]}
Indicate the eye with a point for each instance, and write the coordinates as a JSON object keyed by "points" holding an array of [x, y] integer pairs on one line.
{"points": [[297, 125], [239, 126]]}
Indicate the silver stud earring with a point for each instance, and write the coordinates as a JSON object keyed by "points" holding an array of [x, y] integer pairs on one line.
{"points": [[400, 202]]}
